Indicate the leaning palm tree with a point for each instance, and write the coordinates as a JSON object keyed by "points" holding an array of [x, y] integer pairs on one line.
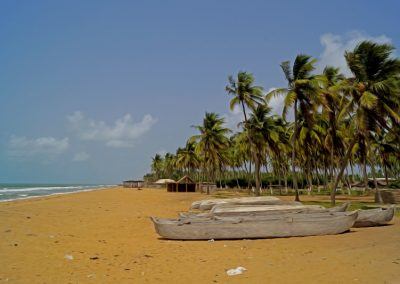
{"points": [[375, 95], [333, 100], [302, 93], [212, 143], [246, 95]]}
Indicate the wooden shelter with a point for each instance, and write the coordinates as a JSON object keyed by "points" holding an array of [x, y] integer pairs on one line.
{"points": [[185, 184], [391, 196], [133, 184]]}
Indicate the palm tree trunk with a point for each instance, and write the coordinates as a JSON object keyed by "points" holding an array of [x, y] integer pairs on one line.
{"points": [[386, 173], [384, 168], [343, 165], [378, 197], [325, 178], [364, 170], [332, 161], [352, 171], [294, 177], [309, 176], [257, 175]]}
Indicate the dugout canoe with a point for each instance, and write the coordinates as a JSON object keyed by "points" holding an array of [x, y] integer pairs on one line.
{"points": [[374, 217], [256, 210], [272, 226], [204, 205]]}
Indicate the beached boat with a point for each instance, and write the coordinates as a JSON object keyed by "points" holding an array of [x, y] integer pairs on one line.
{"points": [[374, 217], [271, 226], [261, 200], [255, 210]]}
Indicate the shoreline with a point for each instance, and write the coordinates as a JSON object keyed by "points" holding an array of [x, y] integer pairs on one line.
{"points": [[57, 193]]}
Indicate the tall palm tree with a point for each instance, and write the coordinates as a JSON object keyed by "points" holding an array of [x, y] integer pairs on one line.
{"points": [[169, 165], [187, 157], [302, 93], [157, 166], [265, 131], [332, 101], [375, 95], [212, 143], [246, 95]]}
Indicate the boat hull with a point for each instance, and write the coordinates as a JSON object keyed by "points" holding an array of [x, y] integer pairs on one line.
{"points": [[208, 204], [261, 210], [288, 225], [374, 217]]}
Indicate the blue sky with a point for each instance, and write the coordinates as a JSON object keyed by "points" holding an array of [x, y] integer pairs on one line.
{"points": [[91, 90]]}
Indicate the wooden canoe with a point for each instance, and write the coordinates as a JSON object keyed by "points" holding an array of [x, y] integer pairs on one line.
{"points": [[374, 217], [272, 226], [209, 203], [255, 210], [261, 200]]}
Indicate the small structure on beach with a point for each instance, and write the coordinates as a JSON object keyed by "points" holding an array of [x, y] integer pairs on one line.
{"points": [[164, 181], [391, 196], [185, 184], [133, 184]]}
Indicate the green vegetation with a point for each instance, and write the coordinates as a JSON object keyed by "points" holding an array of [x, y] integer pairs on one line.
{"points": [[342, 125]]}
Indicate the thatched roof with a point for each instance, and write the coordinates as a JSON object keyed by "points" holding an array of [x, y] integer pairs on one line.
{"points": [[185, 179], [164, 181]]}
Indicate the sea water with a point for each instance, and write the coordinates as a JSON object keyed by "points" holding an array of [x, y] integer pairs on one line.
{"points": [[13, 191]]}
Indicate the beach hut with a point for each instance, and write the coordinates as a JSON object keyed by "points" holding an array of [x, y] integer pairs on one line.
{"points": [[185, 184], [133, 184], [164, 181]]}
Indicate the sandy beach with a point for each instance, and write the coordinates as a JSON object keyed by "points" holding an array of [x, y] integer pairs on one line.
{"points": [[106, 236]]}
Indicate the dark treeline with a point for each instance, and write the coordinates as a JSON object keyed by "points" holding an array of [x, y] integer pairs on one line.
{"points": [[342, 126]]}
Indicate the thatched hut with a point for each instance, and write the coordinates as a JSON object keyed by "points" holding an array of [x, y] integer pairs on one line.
{"points": [[185, 184]]}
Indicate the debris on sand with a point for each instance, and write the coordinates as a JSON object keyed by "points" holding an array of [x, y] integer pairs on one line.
{"points": [[236, 271], [69, 257]]}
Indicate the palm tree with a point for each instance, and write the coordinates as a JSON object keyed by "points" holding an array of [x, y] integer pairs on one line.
{"points": [[157, 166], [265, 131], [332, 101], [212, 143], [246, 95], [169, 165], [375, 96], [302, 93], [187, 158], [242, 153]]}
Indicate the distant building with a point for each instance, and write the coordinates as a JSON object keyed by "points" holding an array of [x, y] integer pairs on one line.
{"points": [[185, 184], [133, 183]]}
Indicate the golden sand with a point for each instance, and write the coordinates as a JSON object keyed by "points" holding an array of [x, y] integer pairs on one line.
{"points": [[106, 236]]}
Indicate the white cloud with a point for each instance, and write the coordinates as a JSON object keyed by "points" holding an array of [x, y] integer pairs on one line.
{"points": [[45, 147], [233, 118], [162, 152], [121, 134], [276, 103], [81, 157], [336, 45]]}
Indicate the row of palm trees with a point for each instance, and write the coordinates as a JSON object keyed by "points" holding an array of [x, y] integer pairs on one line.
{"points": [[340, 123]]}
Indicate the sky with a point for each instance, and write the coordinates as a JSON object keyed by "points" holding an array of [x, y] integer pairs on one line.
{"points": [[91, 90]]}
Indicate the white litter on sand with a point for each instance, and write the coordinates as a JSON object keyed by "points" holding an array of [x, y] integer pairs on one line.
{"points": [[69, 257], [236, 271], [211, 240]]}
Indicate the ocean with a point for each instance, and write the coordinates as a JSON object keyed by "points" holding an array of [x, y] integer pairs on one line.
{"points": [[13, 191]]}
